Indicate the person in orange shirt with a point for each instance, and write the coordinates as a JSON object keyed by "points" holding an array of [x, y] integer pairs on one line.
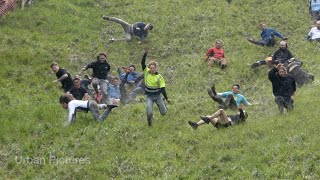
{"points": [[215, 55]]}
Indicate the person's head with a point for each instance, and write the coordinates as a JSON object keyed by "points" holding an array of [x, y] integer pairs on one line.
{"points": [[318, 24], [64, 100], [55, 67], [235, 88], [102, 57], [148, 27], [263, 26], [282, 71], [152, 67], [132, 68], [218, 43], [283, 45], [115, 81], [76, 82]]}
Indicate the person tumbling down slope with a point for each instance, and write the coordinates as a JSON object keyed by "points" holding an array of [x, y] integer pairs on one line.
{"points": [[267, 35], [139, 29], [233, 98], [77, 105], [220, 119]]}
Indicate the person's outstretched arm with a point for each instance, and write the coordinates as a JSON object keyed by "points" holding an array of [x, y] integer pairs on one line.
{"points": [[279, 35], [143, 60], [272, 73]]}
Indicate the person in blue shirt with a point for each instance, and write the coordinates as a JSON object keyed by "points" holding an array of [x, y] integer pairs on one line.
{"points": [[132, 74], [233, 98], [267, 35], [139, 29], [114, 91]]}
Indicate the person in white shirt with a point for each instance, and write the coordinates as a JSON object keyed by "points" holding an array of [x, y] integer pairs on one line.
{"points": [[77, 105], [314, 34]]}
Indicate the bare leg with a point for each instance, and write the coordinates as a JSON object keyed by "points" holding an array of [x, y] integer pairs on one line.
{"points": [[221, 116]]}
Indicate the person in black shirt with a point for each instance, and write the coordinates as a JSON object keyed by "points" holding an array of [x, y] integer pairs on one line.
{"points": [[283, 87], [78, 92], [100, 69], [282, 55], [220, 119], [63, 76], [139, 29]]}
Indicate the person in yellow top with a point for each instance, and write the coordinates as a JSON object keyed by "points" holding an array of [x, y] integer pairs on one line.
{"points": [[154, 86], [267, 61]]}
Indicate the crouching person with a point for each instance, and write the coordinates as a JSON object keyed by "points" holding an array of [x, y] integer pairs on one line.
{"points": [[220, 119], [78, 105]]}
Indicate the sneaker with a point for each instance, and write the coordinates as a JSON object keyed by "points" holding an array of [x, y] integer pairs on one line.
{"points": [[98, 97], [149, 119], [193, 124], [205, 119], [223, 66], [111, 40], [106, 18], [254, 65], [103, 106], [111, 106]]}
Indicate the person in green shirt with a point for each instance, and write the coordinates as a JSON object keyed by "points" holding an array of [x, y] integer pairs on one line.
{"points": [[154, 86]]}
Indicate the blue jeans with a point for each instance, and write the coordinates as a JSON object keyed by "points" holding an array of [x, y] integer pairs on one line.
{"points": [[159, 101]]}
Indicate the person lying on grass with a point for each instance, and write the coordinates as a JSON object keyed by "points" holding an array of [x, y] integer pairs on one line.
{"points": [[220, 119]]}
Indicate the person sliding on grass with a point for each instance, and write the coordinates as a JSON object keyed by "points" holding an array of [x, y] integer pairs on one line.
{"points": [[77, 105], [139, 29], [215, 55], [220, 119], [154, 86], [233, 100], [267, 35]]}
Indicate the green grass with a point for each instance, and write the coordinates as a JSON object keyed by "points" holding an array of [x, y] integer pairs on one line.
{"points": [[268, 146]]}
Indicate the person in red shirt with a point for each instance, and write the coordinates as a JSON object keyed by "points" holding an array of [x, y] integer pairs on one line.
{"points": [[215, 55]]}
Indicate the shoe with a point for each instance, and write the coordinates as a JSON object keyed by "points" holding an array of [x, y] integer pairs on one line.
{"points": [[149, 119], [106, 18], [103, 106], [111, 106], [193, 124], [111, 40], [213, 89], [205, 119], [98, 97], [254, 65], [223, 66]]}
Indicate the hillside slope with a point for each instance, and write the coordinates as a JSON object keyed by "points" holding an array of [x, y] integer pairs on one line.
{"points": [[34, 143]]}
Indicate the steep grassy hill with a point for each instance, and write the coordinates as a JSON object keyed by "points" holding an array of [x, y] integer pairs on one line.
{"points": [[34, 143]]}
